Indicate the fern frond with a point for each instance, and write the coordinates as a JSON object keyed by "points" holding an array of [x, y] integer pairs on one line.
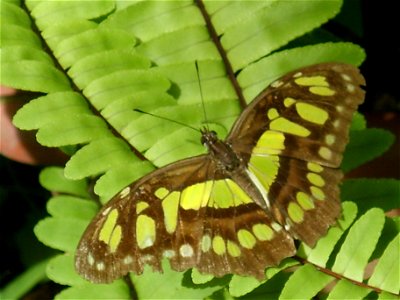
{"points": [[97, 61]]}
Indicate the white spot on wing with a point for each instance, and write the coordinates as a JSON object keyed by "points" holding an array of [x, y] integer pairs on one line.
{"points": [[298, 74], [148, 242], [100, 266], [276, 84], [276, 226], [350, 88], [346, 77], [106, 211], [125, 192], [90, 259], [186, 250], [127, 260]]}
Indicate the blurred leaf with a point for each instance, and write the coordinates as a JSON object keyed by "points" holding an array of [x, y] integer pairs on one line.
{"points": [[365, 145], [367, 193]]}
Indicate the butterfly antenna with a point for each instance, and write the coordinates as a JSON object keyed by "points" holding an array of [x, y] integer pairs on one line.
{"points": [[167, 119], [201, 94]]}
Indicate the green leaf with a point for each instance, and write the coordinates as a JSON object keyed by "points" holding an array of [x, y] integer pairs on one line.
{"points": [[53, 179], [272, 27], [364, 146], [69, 130], [121, 112], [320, 254], [13, 15], [100, 64], [149, 19], [59, 32], [253, 79], [19, 286], [16, 35], [90, 42], [271, 289], [222, 13], [309, 279], [60, 233], [383, 193], [98, 157], [48, 13], [344, 289], [359, 245], [386, 274], [20, 53], [121, 84], [215, 86], [49, 109], [240, 285], [61, 269], [116, 290], [171, 285], [358, 122], [63, 206], [34, 76], [387, 296], [180, 46], [119, 177], [199, 278]]}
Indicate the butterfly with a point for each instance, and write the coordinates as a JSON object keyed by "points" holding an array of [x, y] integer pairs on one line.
{"points": [[238, 208]]}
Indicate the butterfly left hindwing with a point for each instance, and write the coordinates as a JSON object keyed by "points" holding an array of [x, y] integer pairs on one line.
{"points": [[237, 208]]}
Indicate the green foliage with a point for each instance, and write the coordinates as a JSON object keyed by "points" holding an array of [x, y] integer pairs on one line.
{"points": [[97, 61]]}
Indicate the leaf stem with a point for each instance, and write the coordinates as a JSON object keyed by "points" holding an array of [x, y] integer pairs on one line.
{"points": [[132, 291], [339, 276], [222, 52]]}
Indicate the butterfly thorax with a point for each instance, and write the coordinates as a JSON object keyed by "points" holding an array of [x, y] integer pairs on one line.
{"points": [[231, 165], [220, 150]]}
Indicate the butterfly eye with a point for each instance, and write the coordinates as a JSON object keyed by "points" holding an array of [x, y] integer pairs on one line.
{"points": [[208, 137]]}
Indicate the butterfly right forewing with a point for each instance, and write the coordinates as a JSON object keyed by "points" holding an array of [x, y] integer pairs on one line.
{"points": [[292, 137]]}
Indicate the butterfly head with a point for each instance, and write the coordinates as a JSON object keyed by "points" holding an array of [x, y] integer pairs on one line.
{"points": [[208, 137], [221, 151]]}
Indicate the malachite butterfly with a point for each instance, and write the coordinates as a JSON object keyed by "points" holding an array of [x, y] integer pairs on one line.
{"points": [[238, 208]]}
